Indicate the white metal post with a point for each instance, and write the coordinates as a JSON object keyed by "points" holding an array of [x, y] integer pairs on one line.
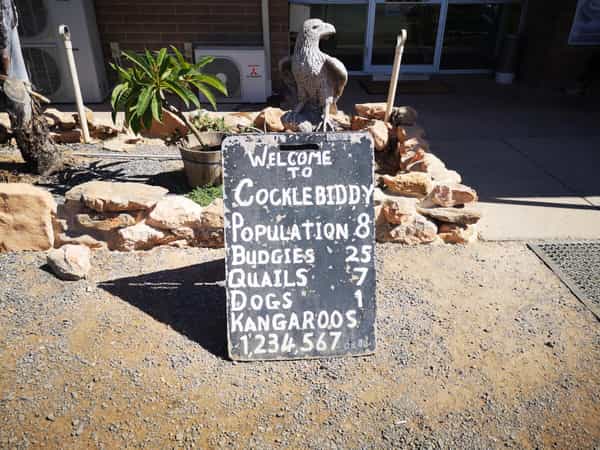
{"points": [[63, 30], [395, 72]]}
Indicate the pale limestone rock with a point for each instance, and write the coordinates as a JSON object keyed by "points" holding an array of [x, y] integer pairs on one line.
{"points": [[399, 210], [140, 237], [360, 123], [104, 196], [74, 136], [105, 221], [213, 214], [371, 110], [447, 176], [85, 239], [410, 158], [462, 216], [416, 230], [210, 234], [177, 214], [271, 119], [430, 164], [380, 132], [26, 214], [452, 233], [447, 194], [413, 184], [70, 262], [64, 121]]}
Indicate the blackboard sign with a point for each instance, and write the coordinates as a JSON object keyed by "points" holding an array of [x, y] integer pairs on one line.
{"points": [[299, 235]]}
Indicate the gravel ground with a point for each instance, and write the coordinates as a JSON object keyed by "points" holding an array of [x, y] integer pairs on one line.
{"points": [[166, 173], [478, 347]]}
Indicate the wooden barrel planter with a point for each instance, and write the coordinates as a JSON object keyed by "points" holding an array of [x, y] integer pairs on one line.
{"points": [[202, 163]]}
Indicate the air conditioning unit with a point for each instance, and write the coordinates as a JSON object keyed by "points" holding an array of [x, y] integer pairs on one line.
{"points": [[241, 69], [44, 50]]}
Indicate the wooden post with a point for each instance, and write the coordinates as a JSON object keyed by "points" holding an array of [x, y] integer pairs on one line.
{"points": [[395, 72]]}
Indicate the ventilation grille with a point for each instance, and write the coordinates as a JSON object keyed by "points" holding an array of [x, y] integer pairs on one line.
{"points": [[228, 72], [33, 17], [43, 70]]}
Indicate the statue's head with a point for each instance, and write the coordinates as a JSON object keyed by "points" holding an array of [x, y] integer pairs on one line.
{"points": [[316, 29]]}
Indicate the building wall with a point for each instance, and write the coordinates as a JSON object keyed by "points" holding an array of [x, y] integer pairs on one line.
{"points": [[152, 24], [547, 58]]}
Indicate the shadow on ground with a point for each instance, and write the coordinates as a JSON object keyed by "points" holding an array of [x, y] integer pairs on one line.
{"points": [[186, 299]]}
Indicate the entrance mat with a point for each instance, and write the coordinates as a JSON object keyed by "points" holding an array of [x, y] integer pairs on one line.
{"points": [[577, 264], [406, 87]]}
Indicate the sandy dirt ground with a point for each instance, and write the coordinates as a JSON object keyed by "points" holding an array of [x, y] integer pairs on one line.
{"points": [[478, 347]]}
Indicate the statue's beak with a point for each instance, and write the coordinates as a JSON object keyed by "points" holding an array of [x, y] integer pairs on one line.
{"points": [[328, 30]]}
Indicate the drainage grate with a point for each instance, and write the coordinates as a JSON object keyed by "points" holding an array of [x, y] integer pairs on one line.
{"points": [[577, 264]]}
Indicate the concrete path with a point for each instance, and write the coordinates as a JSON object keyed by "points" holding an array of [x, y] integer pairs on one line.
{"points": [[532, 155]]}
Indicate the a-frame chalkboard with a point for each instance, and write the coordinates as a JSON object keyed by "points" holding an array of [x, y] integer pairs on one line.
{"points": [[299, 234]]}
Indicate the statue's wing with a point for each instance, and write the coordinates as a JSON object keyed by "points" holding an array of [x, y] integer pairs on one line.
{"points": [[285, 69], [337, 75]]}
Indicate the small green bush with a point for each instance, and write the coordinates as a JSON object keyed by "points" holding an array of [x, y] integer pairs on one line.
{"points": [[206, 194]]}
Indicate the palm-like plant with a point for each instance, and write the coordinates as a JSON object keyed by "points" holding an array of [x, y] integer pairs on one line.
{"points": [[145, 87]]}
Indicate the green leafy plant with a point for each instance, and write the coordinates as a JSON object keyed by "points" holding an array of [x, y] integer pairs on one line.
{"points": [[147, 84], [206, 194]]}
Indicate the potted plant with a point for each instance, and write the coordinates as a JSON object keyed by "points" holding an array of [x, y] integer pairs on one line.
{"points": [[148, 90]]}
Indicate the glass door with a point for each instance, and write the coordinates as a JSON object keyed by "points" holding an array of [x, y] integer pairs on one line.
{"points": [[474, 32], [421, 19]]}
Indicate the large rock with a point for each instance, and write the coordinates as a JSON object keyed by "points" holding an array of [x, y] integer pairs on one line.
{"points": [[74, 136], [210, 234], [25, 217], [411, 158], [452, 233], [401, 115], [371, 110], [446, 176], [106, 221], [104, 196], [140, 237], [380, 131], [399, 210], [430, 164], [461, 216], [70, 262], [61, 239], [413, 184], [64, 121], [416, 230], [360, 123], [445, 194], [413, 144], [177, 214], [270, 118], [102, 128]]}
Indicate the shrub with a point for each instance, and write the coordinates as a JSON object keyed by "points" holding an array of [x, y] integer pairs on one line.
{"points": [[145, 87]]}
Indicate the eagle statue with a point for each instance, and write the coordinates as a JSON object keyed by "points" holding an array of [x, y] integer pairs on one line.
{"points": [[317, 78]]}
